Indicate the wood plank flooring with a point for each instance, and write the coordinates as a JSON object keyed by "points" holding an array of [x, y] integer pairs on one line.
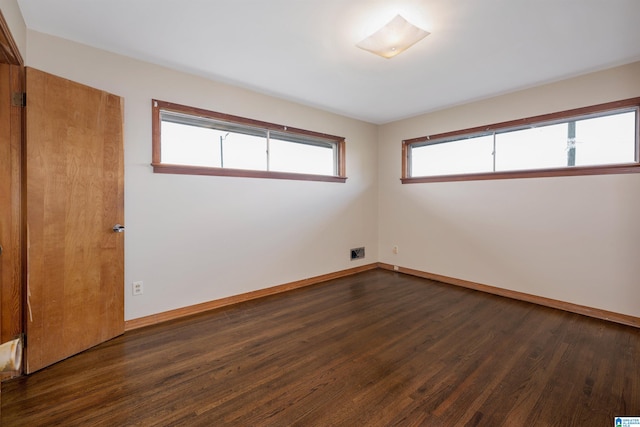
{"points": [[374, 349]]}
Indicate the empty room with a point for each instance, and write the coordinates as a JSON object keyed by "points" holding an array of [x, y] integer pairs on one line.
{"points": [[320, 213]]}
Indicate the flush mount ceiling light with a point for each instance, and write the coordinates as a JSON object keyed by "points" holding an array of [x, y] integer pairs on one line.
{"points": [[395, 37]]}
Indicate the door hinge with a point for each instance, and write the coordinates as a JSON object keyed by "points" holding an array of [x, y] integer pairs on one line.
{"points": [[19, 99], [24, 340]]}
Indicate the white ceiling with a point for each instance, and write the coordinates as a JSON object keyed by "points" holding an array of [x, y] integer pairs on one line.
{"points": [[304, 50]]}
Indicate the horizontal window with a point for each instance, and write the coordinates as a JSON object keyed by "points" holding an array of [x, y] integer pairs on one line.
{"points": [[189, 140], [594, 140]]}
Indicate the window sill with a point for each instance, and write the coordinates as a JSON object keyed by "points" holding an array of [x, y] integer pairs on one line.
{"points": [[539, 173], [204, 170]]}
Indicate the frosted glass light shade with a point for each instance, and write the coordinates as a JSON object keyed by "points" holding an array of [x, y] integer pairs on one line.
{"points": [[395, 37]]}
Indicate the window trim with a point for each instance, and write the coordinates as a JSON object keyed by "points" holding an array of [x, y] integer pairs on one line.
{"points": [[530, 173], [160, 167]]}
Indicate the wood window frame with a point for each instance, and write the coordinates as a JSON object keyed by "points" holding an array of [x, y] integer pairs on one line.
{"points": [[531, 173], [160, 167]]}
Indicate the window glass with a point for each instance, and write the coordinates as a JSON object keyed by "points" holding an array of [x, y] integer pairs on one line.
{"points": [[241, 151], [285, 156], [189, 145], [461, 156], [533, 148], [606, 140]]}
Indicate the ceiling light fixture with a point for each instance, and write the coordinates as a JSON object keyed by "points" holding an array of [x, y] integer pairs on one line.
{"points": [[395, 37]]}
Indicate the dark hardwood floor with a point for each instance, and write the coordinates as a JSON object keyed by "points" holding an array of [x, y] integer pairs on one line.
{"points": [[374, 349]]}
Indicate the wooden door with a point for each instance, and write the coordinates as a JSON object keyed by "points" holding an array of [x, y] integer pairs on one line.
{"points": [[74, 197]]}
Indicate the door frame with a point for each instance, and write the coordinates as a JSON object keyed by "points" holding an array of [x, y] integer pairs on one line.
{"points": [[12, 279]]}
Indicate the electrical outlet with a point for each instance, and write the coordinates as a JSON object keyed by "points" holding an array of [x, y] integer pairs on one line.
{"points": [[138, 288], [396, 268], [395, 250]]}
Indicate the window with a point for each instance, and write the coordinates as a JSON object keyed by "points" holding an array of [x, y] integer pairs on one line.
{"points": [[595, 140], [189, 140]]}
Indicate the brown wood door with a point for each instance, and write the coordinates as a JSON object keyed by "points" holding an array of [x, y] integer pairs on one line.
{"points": [[74, 197]]}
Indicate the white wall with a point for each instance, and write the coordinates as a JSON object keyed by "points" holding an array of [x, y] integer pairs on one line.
{"points": [[574, 239], [13, 16], [193, 239]]}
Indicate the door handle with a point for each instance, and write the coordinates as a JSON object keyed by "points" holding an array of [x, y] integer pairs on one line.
{"points": [[118, 228]]}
